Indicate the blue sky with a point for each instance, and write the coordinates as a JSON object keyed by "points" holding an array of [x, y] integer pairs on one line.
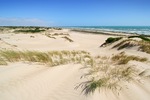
{"points": [[75, 12]]}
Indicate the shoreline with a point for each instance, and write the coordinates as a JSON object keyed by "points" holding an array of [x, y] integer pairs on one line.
{"points": [[104, 32], [92, 31], [134, 30]]}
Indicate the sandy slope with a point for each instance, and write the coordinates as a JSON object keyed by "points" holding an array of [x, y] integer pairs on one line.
{"points": [[33, 81], [37, 82]]}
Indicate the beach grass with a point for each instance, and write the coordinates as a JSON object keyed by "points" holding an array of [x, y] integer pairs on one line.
{"points": [[121, 58], [103, 72], [2, 62], [68, 39], [110, 73], [141, 37], [143, 45], [60, 34], [52, 58]]}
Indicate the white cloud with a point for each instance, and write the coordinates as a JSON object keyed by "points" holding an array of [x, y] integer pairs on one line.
{"points": [[23, 22]]}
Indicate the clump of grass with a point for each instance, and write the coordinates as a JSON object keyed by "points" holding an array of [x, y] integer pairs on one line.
{"points": [[106, 73], [67, 38], [105, 76], [51, 36], [52, 58], [57, 34], [10, 56], [144, 46], [2, 62], [124, 59], [125, 44]]}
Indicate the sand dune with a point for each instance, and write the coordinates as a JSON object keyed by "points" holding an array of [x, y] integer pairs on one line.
{"points": [[34, 81], [37, 82]]}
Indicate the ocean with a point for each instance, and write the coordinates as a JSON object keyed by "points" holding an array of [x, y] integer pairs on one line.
{"points": [[125, 29]]}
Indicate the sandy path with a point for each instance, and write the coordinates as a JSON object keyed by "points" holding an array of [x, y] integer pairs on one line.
{"points": [[35, 82]]}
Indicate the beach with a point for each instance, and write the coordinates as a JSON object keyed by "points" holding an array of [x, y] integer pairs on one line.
{"points": [[36, 79]]}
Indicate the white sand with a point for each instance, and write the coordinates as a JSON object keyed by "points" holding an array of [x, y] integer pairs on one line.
{"points": [[33, 81]]}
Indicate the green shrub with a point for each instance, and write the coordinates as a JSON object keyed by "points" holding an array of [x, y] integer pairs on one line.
{"points": [[36, 30], [111, 39]]}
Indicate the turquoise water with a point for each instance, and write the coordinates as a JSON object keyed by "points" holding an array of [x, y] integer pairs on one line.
{"points": [[128, 29]]}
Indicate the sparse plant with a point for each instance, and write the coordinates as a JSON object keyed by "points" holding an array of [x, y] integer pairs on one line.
{"points": [[110, 40], [57, 34], [49, 35], [143, 45], [124, 59], [109, 73], [140, 36], [2, 62], [52, 58], [67, 38]]}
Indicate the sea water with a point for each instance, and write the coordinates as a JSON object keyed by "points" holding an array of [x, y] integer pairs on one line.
{"points": [[125, 29]]}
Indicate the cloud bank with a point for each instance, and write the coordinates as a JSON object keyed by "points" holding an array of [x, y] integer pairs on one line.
{"points": [[23, 22]]}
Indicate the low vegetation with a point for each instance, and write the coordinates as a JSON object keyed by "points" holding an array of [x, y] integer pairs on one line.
{"points": [[143, 44], [110, 73], [111, 40], [52, 58], [67, 38], [2, 62], [144, 38], [26, 29], [103, 72], [128, 43], [49, 35], [121, 58], [36, 30], [60, 34]]}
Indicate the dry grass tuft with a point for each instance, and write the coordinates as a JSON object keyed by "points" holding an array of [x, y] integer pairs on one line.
{"points": [[109, 73], [67, 38], [52, 58], [124, 59], [144, 46], [2, 62]]}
